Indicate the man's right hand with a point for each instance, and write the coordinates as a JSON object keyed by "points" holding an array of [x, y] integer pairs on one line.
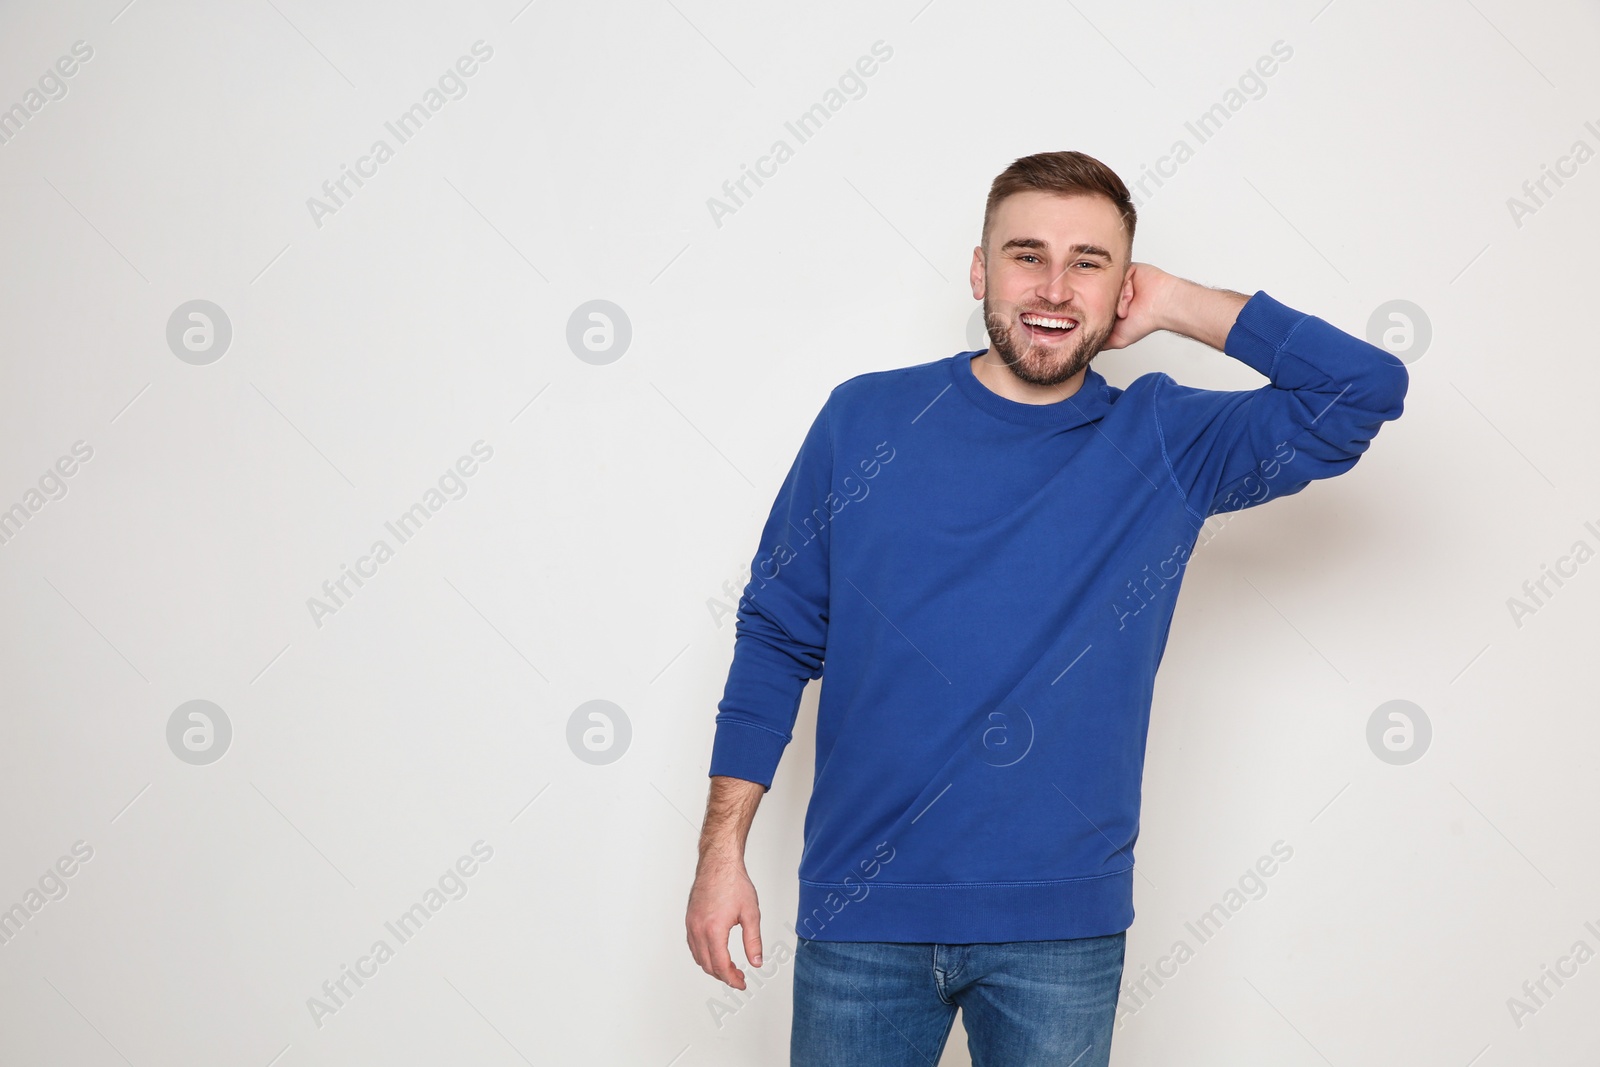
{"points": [[723, 897]]}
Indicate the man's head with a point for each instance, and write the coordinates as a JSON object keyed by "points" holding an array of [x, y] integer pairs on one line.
{"points": [[1057, 243]]}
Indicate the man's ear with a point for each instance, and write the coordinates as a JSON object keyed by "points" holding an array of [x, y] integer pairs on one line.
{"points": [[976, 274], [1125, 297]]}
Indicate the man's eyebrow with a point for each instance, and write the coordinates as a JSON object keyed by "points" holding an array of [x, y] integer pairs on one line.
{"points": [[1076, 250]]}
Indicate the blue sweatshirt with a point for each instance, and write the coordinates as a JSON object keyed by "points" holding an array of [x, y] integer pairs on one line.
{"points": [[990, 585]]}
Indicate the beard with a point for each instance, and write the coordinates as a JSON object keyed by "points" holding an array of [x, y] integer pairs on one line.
{"points": [[1038, 363]]}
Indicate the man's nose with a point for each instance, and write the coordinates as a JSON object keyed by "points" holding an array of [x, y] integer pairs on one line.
{"points": [[1057, 289]]}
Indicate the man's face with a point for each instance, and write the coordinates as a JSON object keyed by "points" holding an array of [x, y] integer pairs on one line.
{"points": [[1053, 260]]}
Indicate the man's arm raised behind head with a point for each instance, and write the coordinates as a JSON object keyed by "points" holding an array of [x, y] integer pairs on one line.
{"points": [[1329, 393]]}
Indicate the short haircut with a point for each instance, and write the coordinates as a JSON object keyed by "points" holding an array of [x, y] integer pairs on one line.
{"points": [[1063, 173]]}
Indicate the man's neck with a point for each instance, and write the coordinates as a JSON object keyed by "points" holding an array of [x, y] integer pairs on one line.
{"points": [[998, 378]]}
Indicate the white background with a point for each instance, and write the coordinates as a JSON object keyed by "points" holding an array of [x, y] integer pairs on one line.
{"points": [[430, 311]]}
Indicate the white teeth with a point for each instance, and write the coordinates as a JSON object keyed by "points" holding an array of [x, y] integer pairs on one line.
{"points": [[1040, 320]]}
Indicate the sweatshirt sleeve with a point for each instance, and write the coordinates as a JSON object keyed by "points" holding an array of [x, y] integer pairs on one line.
{"points": [[1329, 394], [782, 624]]}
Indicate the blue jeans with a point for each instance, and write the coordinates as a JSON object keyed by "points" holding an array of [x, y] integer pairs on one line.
{"points": [[1023, 1003]]}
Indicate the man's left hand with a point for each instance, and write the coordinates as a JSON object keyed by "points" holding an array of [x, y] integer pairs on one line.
{"points": [[1147, 311], [1163, 301]]}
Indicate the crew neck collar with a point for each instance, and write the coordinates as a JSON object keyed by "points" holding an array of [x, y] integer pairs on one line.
{"points": [[1089, 403]]}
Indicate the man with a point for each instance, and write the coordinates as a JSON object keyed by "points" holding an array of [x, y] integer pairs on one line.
{"points": [[987, 550]]}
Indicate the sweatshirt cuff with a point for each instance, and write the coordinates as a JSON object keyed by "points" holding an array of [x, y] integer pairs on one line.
{"points": [[1259, 333], [742, 751]]}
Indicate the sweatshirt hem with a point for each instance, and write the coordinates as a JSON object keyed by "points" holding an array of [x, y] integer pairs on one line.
{"points": [[966, 913]]}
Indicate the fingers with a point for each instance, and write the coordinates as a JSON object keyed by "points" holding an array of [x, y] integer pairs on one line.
{"points": [[722, 966], [714, 910], [708, 943], [750, 926]]}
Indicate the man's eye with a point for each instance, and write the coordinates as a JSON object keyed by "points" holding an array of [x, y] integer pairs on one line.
{"points": [[1027, 255]]}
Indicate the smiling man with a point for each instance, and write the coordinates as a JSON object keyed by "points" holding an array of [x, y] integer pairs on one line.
{"points": [[992, 606], [1048, 342]]}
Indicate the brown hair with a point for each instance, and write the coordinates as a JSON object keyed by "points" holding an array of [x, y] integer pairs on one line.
{"points": [[1065, 173]]}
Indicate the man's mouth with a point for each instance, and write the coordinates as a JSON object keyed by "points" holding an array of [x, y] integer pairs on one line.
{"points": [[1047, 327]]}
